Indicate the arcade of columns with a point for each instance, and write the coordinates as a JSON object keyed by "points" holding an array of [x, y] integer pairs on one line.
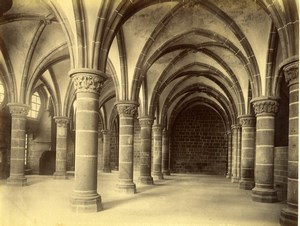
{"points": [[250, 146]]}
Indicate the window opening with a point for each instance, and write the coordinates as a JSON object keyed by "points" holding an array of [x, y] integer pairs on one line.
{"points": [[35, 105]]}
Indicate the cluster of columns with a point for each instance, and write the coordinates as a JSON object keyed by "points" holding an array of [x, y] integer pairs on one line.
{"points": [[251, 149], [289, 214], [85, 198], [250, 145]]}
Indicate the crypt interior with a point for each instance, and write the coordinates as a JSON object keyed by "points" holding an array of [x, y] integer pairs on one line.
{"points": [[149, 112]]}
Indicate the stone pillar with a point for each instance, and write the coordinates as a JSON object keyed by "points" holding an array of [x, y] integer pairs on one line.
{"points": [[229, 154], [61, 147], [247, 151], [265, 109], [145, 169], [289, 214], [157, 152], [235, 128], [100, 148], [165, 153], [106, 151], [17, 156], [126, 110], [87, 84], [238, 156]]}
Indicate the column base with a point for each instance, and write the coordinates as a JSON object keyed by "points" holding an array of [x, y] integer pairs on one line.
{"points": [[126, 187], [60, 176], [264, 195], [166, 173], [86, 204], [246, 184], [228, 176], [158, 176], [146, 180], [235, 179], [17, 181], [106, 170], [289, 216]]}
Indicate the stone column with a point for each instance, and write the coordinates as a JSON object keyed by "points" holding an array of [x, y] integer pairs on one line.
{"points": [[106, 151], [247, 151], [100, 148], [87, 84], [238, 157], [265, 109], [61, 147], [145, 168], [229, 154], [157, 152], [165, 152], [127, 111], [289, 214], [17, 156], [235, 128]]}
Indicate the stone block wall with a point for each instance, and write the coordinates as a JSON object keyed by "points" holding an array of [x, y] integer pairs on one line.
{"points": [[198, 142]]}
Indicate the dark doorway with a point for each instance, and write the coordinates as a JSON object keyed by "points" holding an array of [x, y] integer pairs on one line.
{"points": [[47, 163]]}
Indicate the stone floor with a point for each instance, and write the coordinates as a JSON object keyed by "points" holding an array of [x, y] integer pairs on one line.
{"points": [[180, 199]]}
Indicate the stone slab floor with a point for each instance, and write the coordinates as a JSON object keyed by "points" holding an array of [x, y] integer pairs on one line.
{"points": [[181, 199]]}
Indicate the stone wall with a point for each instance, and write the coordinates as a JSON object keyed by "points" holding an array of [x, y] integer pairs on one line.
{"points": [[39, 141], [198, 142]]}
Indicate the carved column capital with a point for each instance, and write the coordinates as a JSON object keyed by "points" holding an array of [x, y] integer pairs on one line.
{"points": [[291, 73], [157, 128], [61, 121], [265, 105], [17, 109], [127, 108], [87, 80], [146, 121], [247, 120]]}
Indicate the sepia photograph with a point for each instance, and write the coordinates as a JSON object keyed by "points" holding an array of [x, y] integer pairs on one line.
{"points": [[149, 112]]}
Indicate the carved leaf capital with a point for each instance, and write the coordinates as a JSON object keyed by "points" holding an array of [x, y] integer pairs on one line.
{"points": [[291, 73]]}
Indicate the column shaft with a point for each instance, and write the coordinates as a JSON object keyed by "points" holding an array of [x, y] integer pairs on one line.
{"points": [[229, 154], [247, 152], [157, 152], [145, 159], [61, 148], [17, 155], [87, 84], [289, 214], [238, 157], [126, 110], [106, 151], [234, 177], [165, 153], [265, 110]]}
